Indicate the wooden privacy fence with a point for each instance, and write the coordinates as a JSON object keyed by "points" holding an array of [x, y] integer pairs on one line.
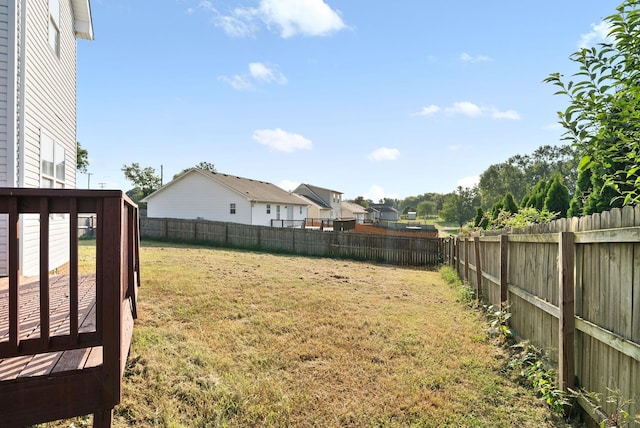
{"points": [[398, 250], [573, 289]]}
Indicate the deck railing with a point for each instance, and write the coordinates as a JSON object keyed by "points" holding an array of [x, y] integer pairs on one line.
{"points": [[116, 275]]}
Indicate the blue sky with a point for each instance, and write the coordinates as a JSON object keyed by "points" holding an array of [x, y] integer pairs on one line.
{"points": [[369, 98]]}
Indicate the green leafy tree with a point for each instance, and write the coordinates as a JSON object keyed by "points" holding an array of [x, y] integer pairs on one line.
{"points": [[557, 199], [520, 172], [206, 166], [145, 180], [361, 201], [603, 117], [82, 158], [459, 207], [426, 209]]}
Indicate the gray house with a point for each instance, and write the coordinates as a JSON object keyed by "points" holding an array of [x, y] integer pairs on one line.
{"points": [[38, 111], [386, 212], [327, 199]]}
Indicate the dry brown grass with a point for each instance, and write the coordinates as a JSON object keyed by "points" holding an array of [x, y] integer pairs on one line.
{"points": [[238, 338]]}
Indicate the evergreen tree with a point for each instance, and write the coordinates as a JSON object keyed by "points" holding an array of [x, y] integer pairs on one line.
{"points": [[557, 199], [509, 204]]}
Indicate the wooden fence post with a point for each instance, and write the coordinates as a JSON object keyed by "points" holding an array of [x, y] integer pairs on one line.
{"points": [[466, 259], [476, 245], [457, 256], [566, 322], [504, 269]]}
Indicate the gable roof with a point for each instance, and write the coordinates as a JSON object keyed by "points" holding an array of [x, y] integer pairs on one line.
{"points": [[311, 201], [82, 22], [252, 190], [354, 208], [384, 208]]}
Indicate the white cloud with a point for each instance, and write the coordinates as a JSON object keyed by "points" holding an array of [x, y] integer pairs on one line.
{"points": [[288, 185], [259, 73], [469, 182], [264, 73], [282, 141], [507, 114], [287, 17], [238, 82], [429, 110], [469, 109], [306, 17], [235, 27], [599, 34], [455, 147], [376, 193], [465, 108], [465, 57], [384, 153]]}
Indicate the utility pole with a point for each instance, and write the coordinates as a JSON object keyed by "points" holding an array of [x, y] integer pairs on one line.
{"points": [[89, 174]]}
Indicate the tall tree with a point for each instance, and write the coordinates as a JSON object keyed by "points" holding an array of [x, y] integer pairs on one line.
{"points": [[518, 174], [603, 117], [145, 180], [557, 198], [459, 207], [82, 158], [426, 209]]}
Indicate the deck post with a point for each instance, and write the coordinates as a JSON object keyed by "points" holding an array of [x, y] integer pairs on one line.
{"points": [[110, 276], [103, 418]]}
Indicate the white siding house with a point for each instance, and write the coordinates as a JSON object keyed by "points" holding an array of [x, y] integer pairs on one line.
{"points": [[38, 111], [200, 194]]}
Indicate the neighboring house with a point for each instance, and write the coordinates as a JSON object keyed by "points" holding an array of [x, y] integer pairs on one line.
{"points": [[373, 215], [387, 213], [317, 209], [351, 210], [325, 198], [201, 194], [38, 112]]}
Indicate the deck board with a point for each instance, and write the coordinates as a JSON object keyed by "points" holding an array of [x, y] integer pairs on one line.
{"points": [[52, 362]]}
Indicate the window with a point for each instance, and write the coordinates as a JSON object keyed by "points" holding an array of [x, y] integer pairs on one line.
{"points": [[52, 161], [277, 212], [232, 208], [54, 26], [301, 209], [268, 209]]}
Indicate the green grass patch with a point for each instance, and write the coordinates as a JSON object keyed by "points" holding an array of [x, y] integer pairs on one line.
{"points": [[242, 338]]}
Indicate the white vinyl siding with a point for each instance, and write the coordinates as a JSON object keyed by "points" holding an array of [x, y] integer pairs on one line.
{"points": [[195, 196], [261, 218], [6, 100], [7, 107], [50, 107]]}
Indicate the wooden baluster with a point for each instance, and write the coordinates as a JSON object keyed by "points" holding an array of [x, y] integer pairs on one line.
{"points": [[44, 271]]}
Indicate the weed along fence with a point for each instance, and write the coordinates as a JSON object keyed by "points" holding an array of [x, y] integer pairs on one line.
{"points": [[398, 250], [573, 289]]}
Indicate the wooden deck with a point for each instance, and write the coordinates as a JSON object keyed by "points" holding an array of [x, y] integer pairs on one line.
{"points": [[64, 339], [51, 363]]}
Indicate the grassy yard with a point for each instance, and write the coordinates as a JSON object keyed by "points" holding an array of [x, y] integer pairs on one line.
{"points": [[238, 338]]}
